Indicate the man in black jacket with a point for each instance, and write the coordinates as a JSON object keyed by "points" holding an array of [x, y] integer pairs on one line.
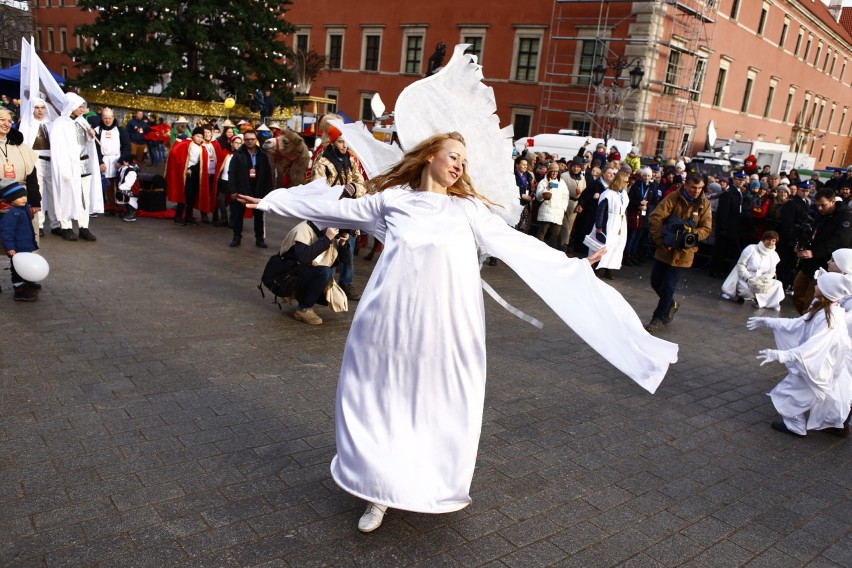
{"points": [[249, 174], [730, 215], [833, 231], [795, 219]]}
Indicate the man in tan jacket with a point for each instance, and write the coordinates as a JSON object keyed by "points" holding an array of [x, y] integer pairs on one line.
{"points": [[677, 224]]}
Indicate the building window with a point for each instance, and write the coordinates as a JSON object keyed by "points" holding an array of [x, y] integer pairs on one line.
{"points": [[807, 49], [526, 63], [521, 123], [719, 91], [735, 9], [372, 45], [818, 53], [475, 38], [63, 40], [38, 38], [331, 108], [672, 72], [65, 72], [698, 79], [784, 29], [50, 42], [819, 116], [474, 46], [592, 52], [584, 127], [833, 63], [335, 50], [825, 63], [831, 117], [843, 70], [767, 110], [789, 105], [413, 55], [366, 107], [747, 94], [301, 42], [761, 25], [660, 148], [798, 43], [842, 120]]}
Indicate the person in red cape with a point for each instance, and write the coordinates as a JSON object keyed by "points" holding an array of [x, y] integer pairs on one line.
{"points": [[186, 177]]}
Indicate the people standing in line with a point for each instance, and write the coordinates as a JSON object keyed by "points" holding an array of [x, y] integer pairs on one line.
{"points": [[36, 135], [575, 181], [817, 391], [249, 173], [552, 196], [339, 167], [137, 128], [113, 143], [77, 188], [731, 214], [610, 227], [674, 255], [832, 231]]}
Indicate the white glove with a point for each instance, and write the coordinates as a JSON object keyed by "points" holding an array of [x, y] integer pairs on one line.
{"points": [[768, 356], [756, 323]]}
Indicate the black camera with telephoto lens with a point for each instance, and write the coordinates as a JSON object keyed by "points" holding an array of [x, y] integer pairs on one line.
{"points": [[680, 234]]}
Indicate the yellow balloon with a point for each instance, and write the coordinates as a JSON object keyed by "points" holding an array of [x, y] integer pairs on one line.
{"points": [[230, 102]]}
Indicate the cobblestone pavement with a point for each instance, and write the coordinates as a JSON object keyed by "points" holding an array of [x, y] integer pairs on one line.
{"points": [[157, 412]]}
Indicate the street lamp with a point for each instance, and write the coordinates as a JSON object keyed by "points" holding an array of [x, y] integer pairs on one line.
{"points": [[611, 98]]}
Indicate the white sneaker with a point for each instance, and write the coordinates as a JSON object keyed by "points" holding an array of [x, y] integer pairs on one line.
{"points": [[372, 518]]}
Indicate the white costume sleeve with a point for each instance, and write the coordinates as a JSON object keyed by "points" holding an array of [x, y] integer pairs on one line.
{"points": [[324, 207], [595, 311]]}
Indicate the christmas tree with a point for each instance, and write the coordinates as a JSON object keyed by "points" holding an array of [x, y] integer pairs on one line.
{"points": [[201, 50]]}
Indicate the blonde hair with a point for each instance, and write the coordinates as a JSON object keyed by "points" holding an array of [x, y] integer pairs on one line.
{"points": [[620, 182], [410, 169], [4, 110], [822, 303]]}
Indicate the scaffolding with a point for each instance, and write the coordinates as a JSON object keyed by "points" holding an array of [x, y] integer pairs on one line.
{"points": [[669, 40]]}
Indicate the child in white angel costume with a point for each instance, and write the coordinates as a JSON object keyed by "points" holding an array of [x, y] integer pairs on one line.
{"points": [[817, 392], [841, 262], [411, 392]]}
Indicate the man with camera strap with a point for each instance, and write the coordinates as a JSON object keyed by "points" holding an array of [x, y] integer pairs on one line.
{"points": [[680, 220]]}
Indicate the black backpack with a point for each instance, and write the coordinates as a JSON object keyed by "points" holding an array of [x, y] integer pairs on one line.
{"points": [[280, 276]]}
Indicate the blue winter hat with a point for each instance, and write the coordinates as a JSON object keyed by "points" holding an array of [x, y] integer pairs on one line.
{"points": [[804, 184], [740, 175], [12, 190]]}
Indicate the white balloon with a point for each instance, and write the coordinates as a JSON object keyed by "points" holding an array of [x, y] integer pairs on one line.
{"points": [[30, 266]]}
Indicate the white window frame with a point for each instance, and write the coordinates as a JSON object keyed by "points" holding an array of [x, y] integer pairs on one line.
{"points": [[526, 33], [588, 34], [365, 97], [332, 94], [371, 31], [331, 31], [770, 102], [407, 33], [745, 105], [306, 32], [758, 30], [524, 111], [788, 109], [724, 65]]}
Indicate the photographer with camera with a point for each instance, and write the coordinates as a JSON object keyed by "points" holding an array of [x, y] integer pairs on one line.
{"points": [[832, 231], [677, 224]]}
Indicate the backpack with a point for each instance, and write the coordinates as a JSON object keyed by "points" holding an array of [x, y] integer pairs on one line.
{"points": [[280, 276]]}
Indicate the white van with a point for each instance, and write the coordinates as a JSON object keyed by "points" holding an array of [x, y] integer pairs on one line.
{"points": [[567, 145]]}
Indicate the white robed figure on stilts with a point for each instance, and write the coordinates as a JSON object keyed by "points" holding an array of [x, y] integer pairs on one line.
{"points": [[411, 393]]}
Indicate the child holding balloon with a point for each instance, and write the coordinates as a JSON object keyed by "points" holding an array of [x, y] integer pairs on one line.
{"points": [[17, 235]]}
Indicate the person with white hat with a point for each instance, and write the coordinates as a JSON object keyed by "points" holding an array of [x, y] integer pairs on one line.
{"points": [[817, 391]]}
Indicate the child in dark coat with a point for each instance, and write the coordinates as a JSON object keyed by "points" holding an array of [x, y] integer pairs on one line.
{"points": [[17, 234]]}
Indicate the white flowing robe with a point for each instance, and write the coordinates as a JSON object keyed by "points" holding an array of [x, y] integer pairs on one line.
{"points": [[818, 381], [68, 183], [412, 382], [753, 264], [616, 228]]}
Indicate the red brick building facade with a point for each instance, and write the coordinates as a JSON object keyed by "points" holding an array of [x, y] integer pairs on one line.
{"points": [[766, 70]]}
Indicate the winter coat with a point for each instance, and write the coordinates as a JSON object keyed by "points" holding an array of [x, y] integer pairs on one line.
{"points": [[16, 229], [676, 205]]}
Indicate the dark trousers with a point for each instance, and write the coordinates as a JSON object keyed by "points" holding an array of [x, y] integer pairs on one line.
{"points": [[16, 279], [237, 211], [311, 285], [787, 265], [664, 281], [724, 250], [190, 194]]}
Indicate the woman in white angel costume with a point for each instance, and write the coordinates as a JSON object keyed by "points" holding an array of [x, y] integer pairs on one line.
{"points": [[753, 278], [817, 392], [411, 391]]}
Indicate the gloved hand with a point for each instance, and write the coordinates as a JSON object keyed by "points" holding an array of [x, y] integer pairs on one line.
{"points": [[768, 356], [756, 323]]}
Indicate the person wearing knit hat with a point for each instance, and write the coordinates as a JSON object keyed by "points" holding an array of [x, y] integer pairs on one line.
{"points": [[187, 177], [817, 390], [339, 167], [552, 194], [17, 234]]}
